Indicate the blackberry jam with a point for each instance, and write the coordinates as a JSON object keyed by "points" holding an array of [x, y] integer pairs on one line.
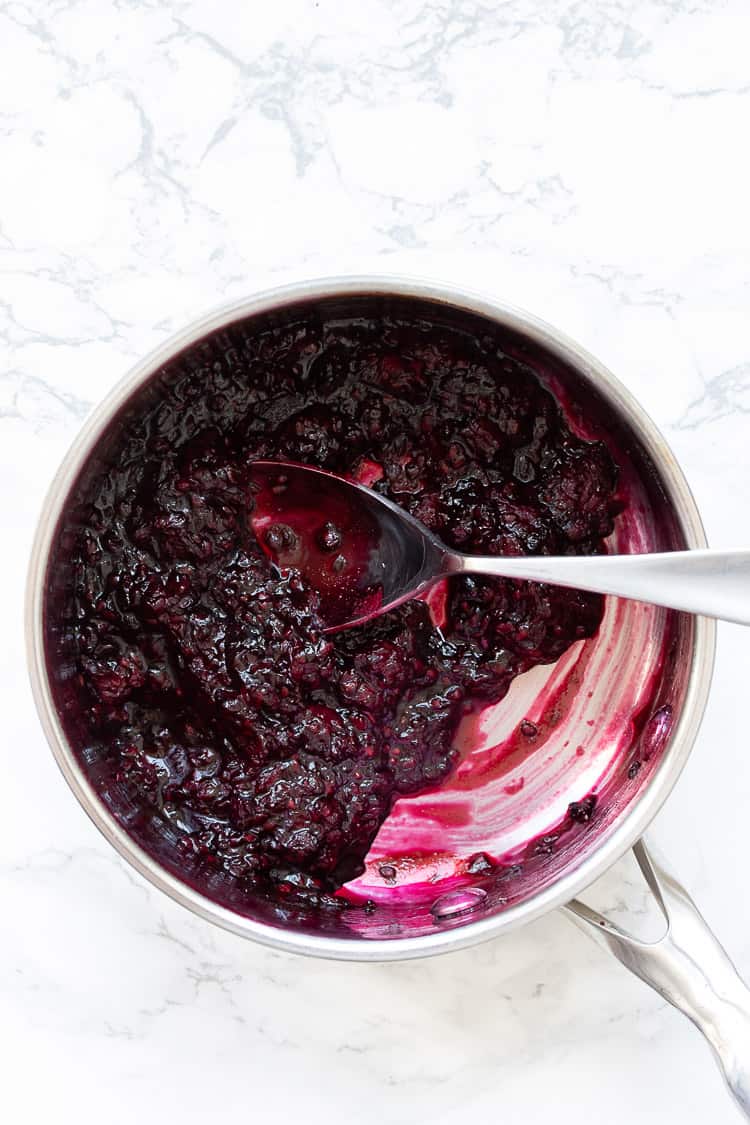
{"points": [[198, 680]]}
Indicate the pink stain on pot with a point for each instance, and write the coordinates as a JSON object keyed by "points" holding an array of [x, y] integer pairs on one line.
{"points": [[563, 732]]}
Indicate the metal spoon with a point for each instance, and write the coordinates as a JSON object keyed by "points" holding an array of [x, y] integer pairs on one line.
{"points": [[391, 557]]}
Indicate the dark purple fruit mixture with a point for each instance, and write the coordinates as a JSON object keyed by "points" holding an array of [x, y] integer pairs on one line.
{"points": [[203, 681]]}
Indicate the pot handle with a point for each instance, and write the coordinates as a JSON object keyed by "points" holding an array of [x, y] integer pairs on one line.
{"points": [[688, 967]]}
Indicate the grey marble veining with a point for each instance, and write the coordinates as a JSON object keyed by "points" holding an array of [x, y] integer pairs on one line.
{"points": [[587, 160]]}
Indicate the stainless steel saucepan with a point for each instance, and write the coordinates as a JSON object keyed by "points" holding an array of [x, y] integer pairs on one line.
{"points": [[642, 686]]}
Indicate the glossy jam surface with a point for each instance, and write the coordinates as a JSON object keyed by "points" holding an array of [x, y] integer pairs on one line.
{"points": [[203, 679]]}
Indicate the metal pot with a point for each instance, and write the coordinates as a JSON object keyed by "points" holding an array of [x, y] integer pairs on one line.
{"points": [[687, 966]]}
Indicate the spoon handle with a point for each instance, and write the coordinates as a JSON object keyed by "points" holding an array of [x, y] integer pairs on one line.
{"points": [[713, 583]]}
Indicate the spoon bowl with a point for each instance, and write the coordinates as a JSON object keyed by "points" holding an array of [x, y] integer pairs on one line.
{"points": [[363, 553]]}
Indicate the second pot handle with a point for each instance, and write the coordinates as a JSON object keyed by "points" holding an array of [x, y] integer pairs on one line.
{"points": [[688, 967]]}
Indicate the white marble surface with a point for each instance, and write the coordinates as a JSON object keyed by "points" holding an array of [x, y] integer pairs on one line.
{"points": [[585, 159]]}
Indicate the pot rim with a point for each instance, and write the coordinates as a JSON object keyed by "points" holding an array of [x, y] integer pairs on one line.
{"points": [[635, 819]]}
